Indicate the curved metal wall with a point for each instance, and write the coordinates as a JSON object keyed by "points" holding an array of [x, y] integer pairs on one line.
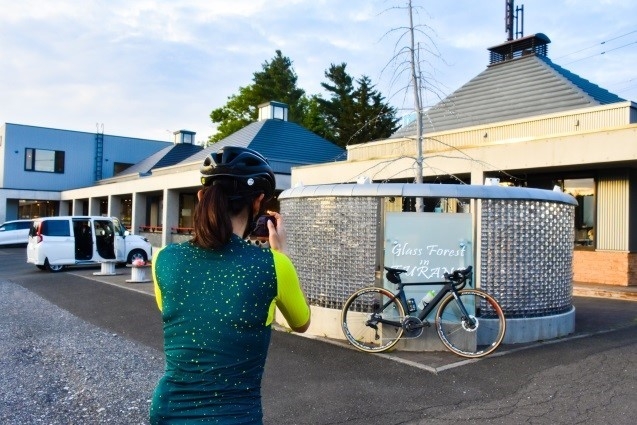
{"points": [[526, 255], [525, 250], [332, 243]]}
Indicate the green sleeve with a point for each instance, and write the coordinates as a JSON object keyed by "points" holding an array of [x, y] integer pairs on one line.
{"points": [[290, 299], [155, 283]]}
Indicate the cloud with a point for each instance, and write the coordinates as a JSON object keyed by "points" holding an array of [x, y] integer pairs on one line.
{"points": [[148, 66]]}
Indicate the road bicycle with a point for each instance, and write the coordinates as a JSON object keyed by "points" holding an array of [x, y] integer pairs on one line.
{"points": [[469, 322]]}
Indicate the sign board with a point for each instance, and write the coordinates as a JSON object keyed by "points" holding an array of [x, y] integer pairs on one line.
{"points": [[427, 245]]}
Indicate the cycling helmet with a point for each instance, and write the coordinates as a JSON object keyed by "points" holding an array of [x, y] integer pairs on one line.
{"points": [[246, 169]]}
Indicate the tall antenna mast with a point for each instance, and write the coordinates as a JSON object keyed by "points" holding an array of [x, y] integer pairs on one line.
{"points": [[508, 19], [521, 20], [511, 15]]}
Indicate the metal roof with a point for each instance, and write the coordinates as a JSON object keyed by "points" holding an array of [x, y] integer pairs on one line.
{"points": [[285, 144], [517, 88], [166, 157], [461, 191]]}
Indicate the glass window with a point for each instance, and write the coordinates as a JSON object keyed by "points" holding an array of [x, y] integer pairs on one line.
{"points": [[43, 160], [29, 154], [56, 228], [583, 190]]}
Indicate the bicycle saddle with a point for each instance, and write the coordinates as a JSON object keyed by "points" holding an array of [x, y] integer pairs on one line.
{"points": [[393, 275]]}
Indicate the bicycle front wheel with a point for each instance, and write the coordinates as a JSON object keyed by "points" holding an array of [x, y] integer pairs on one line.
{"points": [[372, 319], [476, 334]]}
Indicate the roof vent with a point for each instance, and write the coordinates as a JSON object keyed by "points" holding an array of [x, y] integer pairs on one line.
{"points": [[533, 44], [273, 111]]}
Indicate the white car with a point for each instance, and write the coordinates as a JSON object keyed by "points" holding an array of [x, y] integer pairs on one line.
{"points": [[15, 232], [57, 242]]}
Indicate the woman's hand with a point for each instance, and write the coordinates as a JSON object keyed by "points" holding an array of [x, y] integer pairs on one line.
{"points": [[277, 233]]}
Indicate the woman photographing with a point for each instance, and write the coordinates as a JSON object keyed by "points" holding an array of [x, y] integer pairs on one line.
{"points": [[217, 294]]}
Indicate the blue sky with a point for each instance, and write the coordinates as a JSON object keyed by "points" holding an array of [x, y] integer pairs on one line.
{"points": [[146, 68]]}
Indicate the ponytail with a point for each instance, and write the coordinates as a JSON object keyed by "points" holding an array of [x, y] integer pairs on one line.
{"points": [[211, 219]]}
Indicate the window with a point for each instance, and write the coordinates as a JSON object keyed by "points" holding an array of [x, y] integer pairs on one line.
{"points": [[44, 160], [583, 190], [118, 167], [56, 228]]}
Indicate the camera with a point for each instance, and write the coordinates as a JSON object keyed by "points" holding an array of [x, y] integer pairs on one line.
{"points": [[261, 226]]}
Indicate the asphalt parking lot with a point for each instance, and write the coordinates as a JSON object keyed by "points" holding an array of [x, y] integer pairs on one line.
{"points": [[587, 377]]}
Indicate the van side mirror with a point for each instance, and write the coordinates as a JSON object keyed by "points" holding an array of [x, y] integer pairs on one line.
{"points": [[126, 233]]}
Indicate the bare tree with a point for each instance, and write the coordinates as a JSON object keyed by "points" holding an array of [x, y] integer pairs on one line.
{"points": [[409, 58]]}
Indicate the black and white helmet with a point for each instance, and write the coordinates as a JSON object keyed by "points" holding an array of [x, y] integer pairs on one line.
{"points": [[249, 171]]}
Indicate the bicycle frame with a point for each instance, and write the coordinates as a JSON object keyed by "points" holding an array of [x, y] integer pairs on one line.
{"points": [[448, 287]]}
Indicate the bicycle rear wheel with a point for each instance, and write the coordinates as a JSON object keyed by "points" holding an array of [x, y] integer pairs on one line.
{"points": [[362, 316], [474, 336]]}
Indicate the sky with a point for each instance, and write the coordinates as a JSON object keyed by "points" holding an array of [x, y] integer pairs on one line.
{"points": [[148, 68]]}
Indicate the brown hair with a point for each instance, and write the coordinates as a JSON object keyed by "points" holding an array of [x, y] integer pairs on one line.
{"points": [[211, 219]]}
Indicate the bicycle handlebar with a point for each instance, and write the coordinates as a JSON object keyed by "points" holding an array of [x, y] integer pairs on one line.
{"points": [[458, 277], [459, 274]]}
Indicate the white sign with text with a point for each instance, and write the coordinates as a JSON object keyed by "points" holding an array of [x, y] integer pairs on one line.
{"points": [[427, 245]]}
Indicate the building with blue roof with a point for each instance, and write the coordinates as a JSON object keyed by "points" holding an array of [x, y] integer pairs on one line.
{"points": [[523, 121], [157, 195]]}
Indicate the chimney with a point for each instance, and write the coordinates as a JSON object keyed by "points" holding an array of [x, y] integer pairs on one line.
{"points": [[273, 111]]}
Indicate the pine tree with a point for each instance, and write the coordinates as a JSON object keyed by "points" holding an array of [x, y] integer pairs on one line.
{"points": [[276, 81], [355, 115]]}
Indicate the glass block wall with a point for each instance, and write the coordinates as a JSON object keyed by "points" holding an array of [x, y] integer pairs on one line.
{"points": [[526, 250], [527, 255], [332, 243]]}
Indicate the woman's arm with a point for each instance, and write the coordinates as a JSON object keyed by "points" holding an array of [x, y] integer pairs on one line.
{"points": [[290, 298]]}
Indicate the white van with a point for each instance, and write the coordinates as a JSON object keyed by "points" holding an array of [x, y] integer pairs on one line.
{"points": [[15, 232], [57, 242]]}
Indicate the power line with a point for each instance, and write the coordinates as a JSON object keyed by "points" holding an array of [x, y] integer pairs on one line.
{"points": [[597, 44], [602, 53]]}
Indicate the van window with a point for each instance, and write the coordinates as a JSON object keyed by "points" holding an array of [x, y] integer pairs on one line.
{"points": [[56, 228], [8, 226], [119, 229]]}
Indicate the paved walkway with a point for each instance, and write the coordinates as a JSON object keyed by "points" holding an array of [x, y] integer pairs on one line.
{"points": [[605, 291]]}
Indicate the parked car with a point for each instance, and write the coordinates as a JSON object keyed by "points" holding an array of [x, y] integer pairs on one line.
{"points": [[15, 232], [57, 242]]}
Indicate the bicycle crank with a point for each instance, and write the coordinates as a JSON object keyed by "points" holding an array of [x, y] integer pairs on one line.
{"points": [[412, 327]]}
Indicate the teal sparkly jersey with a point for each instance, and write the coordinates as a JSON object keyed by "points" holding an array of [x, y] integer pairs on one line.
{"points": [[217, 307]]}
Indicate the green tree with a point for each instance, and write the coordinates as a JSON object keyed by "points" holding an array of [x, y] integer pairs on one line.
{"points": [[338, 110], [355, 114], [276, 81], [350, 115], [375, 119], [235, 115], [314, 119]]}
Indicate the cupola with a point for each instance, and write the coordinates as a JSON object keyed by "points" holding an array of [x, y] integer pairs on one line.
{"points": [[273, 111]]}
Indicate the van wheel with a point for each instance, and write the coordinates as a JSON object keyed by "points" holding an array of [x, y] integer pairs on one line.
{"points": [[136, 254], [53, 268]]}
